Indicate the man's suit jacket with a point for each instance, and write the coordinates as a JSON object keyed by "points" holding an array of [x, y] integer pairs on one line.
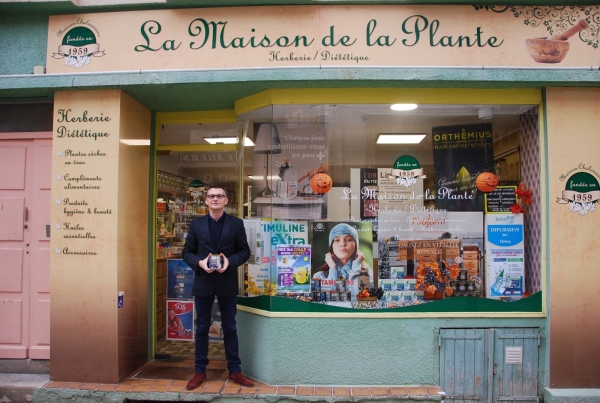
{"points": [[233, 244]]}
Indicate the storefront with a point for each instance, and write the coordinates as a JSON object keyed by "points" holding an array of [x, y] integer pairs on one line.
{"points": [[418, 186]]}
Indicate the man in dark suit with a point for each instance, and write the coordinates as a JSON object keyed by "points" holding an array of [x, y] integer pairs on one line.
{"points": [[220, 233]]}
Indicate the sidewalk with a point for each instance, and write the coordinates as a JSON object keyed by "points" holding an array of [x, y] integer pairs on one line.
{"points": [[166, 381]]}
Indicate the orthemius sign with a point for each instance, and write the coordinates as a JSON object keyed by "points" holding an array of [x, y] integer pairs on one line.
{"points": [[310, 36]]}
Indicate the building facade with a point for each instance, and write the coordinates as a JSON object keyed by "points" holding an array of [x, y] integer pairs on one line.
{"points": [[475, 238]]}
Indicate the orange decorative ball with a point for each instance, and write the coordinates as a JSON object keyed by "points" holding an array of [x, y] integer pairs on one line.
{"points": [[486, 182], [321, 183]]}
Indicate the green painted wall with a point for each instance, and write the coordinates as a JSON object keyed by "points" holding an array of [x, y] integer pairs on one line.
{"points": [[23, 42], [343, 351]]}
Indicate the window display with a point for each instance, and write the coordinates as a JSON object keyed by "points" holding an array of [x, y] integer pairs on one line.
{"points": [[387, 208]]}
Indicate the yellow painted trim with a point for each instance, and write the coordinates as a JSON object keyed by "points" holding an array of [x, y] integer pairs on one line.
{"points": [[197, 147], [220, 116], [393, 315], [388, 96]]}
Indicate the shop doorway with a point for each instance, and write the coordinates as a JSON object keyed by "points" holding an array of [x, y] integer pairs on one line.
{"points": [[25, 181], [190, 159]]}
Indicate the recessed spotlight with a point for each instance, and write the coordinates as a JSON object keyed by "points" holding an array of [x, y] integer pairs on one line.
{"points": [[403, 107], [397, 138]]}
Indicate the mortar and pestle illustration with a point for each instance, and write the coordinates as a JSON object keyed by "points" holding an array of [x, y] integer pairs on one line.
{"points": [[554, 48]]}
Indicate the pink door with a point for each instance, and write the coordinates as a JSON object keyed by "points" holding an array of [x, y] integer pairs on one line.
{"points": [[25, 177]]}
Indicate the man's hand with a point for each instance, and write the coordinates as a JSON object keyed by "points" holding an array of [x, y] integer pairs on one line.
{"points": [[203, 265], [225, 264]]}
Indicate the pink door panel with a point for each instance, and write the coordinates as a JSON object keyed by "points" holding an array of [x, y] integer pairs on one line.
{"points": [[39, 268], [12, 166], [25, 181], [12, 212], [11, 270], [11, 312]]}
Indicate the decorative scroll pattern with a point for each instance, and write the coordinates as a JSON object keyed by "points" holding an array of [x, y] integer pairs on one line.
{"points": [[556, 19]]}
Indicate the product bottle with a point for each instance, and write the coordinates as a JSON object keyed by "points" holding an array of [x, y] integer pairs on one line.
{"points": [[499, 285], [291, 178]]}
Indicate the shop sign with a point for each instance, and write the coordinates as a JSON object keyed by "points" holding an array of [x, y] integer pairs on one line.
{"points": [[207, 159], [324, 35]]}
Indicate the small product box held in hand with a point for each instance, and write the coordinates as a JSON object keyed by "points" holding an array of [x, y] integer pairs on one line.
{"points": [[215, 261]]}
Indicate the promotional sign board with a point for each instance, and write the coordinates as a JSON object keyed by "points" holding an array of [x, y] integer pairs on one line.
{"points": [[180, 320], [293, 268], [504, 252]]}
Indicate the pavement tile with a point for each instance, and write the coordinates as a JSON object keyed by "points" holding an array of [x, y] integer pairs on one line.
{"points": [[141, 388], [398, 391], [286, 390], [214, 387], [55, 384], [379, 391], [305, 391], [164, 382], [231, 388], [433, 390], [123, 387], [89, 386], [130, 381], [106, 387], [415, 391], [361, 392], [265, 389], [323, 391], [176, 388], [160, 388], [337, 391], [72, 385], [249, 391], [147, 382]]}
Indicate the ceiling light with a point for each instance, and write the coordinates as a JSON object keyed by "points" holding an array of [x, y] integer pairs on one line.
{"points": [[403, 107], [260, 177], [132, 142], [397, 138], [228, 140]]}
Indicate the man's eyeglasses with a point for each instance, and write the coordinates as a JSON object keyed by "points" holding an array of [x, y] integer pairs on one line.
{"points": [[215, 196]]}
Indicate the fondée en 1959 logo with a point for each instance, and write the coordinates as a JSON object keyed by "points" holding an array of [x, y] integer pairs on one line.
{"points": [[79, 44], [582, 192]]}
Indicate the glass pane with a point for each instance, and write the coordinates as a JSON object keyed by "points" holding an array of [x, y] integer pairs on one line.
{"points": [[348, 198]]}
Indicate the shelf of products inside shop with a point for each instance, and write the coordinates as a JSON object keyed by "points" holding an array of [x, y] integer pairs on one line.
{"points": [[168, 182]]}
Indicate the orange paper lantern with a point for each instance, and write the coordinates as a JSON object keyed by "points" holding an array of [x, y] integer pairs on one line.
{"points": [[321, 183], [486, 182]]}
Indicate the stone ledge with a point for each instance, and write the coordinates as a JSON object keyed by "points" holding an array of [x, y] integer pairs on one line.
{"points": [[571, 395]]}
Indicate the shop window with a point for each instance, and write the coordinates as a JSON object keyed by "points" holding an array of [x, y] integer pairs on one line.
{"points": [[355, 206]]}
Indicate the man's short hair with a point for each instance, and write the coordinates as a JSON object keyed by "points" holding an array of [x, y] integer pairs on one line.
{"points": [[217, 187]]}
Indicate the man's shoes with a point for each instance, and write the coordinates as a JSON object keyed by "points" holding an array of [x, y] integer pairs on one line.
{"points": [[196, 380], [241, 379]]}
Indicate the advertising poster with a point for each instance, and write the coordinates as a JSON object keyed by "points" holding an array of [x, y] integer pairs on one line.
{"points": [[369, 205], [274, 233], [180, 279], [505, 260], [406, 238], [342, 249], [180, 320], [460, 153], [293, 268]]}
